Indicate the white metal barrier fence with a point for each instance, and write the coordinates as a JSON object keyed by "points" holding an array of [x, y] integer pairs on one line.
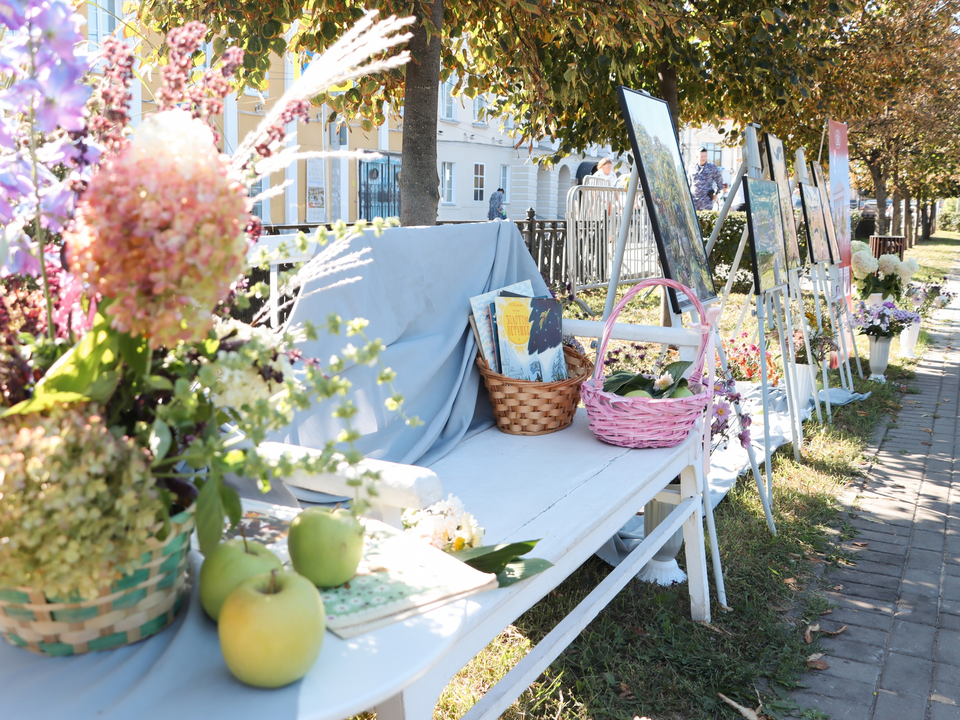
{"points": [[594, 216]]}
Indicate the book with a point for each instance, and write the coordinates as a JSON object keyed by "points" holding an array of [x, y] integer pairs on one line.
{"points": [[480, 305], [530, 338], [399, 576]]}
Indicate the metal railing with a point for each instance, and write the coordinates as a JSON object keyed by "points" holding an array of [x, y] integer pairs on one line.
{"points": [[594, 217]]}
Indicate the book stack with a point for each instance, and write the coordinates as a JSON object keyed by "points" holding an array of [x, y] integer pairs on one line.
{"points": [[519, 334]]}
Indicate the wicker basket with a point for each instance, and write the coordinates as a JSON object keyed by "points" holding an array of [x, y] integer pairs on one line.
{"points": [[524, 407], [134, 607], [638, 422]]}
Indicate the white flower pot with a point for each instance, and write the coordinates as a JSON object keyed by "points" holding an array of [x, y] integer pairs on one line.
{"points": [[804, 383], [879, 357], [874, 299], [908, 341]]}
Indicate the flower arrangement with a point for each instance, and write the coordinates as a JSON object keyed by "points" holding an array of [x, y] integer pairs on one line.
{"points": [[446, 525], [925, 297], [884, 320], [886, 275], [725, 395], [743, 360], [125, 392]]}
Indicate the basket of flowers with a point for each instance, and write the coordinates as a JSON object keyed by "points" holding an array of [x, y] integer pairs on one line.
{"points": [[642, 411]]}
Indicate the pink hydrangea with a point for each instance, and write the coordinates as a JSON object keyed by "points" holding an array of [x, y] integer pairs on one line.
{"points": [[160, 231]]}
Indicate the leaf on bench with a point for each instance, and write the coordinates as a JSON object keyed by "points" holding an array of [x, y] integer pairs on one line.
{"points": [[494, 558], [521, 569]]}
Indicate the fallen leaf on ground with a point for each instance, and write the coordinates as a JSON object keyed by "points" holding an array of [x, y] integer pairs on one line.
{"points": [[808, 635], [833, 633], [827, 612], [744, 711], [861, 413], [625, 693], [813, 558], [859, 544], [711, 626], [791, 583], [924, 442], [927, 430], [639, 631], [815, 662], [795, 556], [837, 588], [777, 608]]}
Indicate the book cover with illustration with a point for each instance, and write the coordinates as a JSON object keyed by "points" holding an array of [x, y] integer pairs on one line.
{"points": [[530, 337], [481, 312]]}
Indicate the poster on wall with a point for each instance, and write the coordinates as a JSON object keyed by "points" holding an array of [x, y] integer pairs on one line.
{"points": [[840, 195], [316, 191], [669, 200]]}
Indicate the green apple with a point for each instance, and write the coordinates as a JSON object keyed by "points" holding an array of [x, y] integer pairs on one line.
{"points": [[229, 564], [682, 392], [638, 393], [271, 629], [326, 545]]}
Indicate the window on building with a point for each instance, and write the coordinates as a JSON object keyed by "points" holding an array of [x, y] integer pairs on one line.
{"points": [[505, 182], [207, 50], [713, 152], [479, 171], [102, 19], [480, 110], [255, 189], [446, 183], [448, 108]]}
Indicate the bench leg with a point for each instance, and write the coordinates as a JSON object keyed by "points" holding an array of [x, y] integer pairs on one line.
{"points": [[690, 486]]}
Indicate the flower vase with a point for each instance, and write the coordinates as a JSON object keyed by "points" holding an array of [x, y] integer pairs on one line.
{"points": [[803, 383], [663, 568], [874, 299], [879, 357], [132, 608], [908, 341]]}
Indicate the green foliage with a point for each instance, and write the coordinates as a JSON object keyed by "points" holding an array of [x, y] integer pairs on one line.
{"points": [[951, 205], [725, 249], [949, 221]]}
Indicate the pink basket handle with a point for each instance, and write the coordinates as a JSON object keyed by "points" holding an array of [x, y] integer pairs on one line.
{"points": [[705, 327]]}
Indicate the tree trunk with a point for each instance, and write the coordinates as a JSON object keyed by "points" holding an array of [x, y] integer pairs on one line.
{"points": [[667, 77], [419, 185], [880, 193], [895, 228], [907, 220]]}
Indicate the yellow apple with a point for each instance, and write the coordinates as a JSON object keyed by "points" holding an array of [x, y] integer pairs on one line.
{"points": [[638, 393], [228, 565], [271, 629]]}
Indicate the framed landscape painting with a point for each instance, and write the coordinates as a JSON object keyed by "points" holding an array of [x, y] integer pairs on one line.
{"points": [[766, 234], [777, 163], [669, 201], [818, 247], [828, 226]]}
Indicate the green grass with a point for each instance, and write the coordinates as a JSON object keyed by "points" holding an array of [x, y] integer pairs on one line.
{"points": [[643, 656]]}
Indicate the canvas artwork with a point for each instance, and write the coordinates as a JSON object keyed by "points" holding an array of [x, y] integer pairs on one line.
{"points": [[669, 201], [777, 163], [766, 234], [818, 248], [828, 226]]}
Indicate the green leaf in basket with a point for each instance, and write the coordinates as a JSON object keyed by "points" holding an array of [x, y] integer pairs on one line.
{"points": [[676, 370], [494, 558], [615, 382], [521, 569], [639, 382], [209, 516]]}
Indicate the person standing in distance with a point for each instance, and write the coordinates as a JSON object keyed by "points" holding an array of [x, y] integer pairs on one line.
{"points": [[706, 180], [605, 172], [496, 211]]}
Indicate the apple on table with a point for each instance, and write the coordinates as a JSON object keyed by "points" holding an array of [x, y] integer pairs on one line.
{"points": [[326, 545], [229, 564]]}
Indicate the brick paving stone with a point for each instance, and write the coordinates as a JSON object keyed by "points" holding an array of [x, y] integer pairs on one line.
{"points": [[870, 592], [927, 541], [861, 672], [853, 575], [921, 582], [924, 560], [894, 569], [897, 706], [835, 708], [912, 638], [845, 648], [863, 618], [906, 674], [949, 622], [939, 711], [945, 692], [948, 648], [840, 688]]}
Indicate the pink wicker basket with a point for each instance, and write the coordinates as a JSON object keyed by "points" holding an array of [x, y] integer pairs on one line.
{"points": [[638, 422]]}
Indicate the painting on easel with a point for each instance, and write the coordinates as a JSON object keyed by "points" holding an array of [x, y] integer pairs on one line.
{"points": [[766, 234], [777, 163], [669, 201], [825, 209], [818, 247]]}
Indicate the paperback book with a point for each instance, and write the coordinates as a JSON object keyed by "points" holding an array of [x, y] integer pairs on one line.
{"points": [[484, 320], [530, 338]]}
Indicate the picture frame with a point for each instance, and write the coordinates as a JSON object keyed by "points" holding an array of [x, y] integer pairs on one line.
{"points": [[767, 245], [818, 246], [828, 225], [669, 200], [776, 160]]}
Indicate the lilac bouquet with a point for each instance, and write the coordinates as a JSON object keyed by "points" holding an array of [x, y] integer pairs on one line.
{"points": [[884, 320]]}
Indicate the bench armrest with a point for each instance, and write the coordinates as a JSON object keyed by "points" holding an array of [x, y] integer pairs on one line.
{"points": [[687, 340], [401, 486]]}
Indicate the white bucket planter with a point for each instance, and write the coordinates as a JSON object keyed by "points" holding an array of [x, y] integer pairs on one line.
{"points": [[879, 357], [908, 341], [804, 383], [874, 299]]}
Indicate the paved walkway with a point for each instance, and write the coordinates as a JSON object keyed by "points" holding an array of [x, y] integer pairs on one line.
{"points": [[899, 658]]}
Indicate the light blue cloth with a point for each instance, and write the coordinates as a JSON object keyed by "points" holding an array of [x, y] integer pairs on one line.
{"points": [[416, 296]]}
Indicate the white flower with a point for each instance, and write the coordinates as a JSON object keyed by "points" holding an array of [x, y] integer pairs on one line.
{"points": [[907, 269], [888, 264], [664, 381], [863, 264], [857, 246], [186, 141]]}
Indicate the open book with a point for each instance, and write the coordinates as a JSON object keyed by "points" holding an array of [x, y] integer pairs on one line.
{"points": [[399, 576]]}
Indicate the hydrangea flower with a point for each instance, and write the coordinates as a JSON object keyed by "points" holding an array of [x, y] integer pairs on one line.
{"points": [[887, 264], [863, 263], [166, 244]]}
